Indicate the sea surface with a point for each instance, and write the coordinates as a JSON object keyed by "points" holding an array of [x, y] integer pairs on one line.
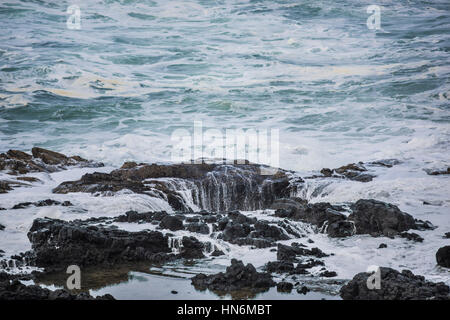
{"points": [[338, 92]]}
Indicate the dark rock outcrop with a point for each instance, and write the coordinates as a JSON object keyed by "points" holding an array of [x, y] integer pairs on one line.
{"points": [[15, 290], [237, 277], [284, 287], [57, 244], [172, 223], [443, 257], [290, 253], [437, 172], [394, 285], [352, 171], [379, 218], [214, 187], [411, 236]]}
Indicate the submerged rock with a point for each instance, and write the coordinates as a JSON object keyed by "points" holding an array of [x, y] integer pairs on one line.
{"points": [[352, 171], [411, 236], [237, 277], [290, 253], [437, 172], [42, 203], [15, 290], [394, 285], [443, 257]]}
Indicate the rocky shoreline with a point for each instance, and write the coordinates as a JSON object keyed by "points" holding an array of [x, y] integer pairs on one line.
{"points": [[210, 208]]}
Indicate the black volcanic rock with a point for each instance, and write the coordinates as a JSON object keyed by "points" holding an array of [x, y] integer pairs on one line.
{"points": [[237, 277], [379, 218], [411, 236], [443, 257], [57, 244], [198, 227], [215, 187], [172, 223], [42, 203], [15, 290], [290, 253], [284, 287], [192, 248], [394, 285], [341, 229], [279, 266]]}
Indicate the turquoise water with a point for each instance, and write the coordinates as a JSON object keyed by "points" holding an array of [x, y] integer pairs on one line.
{"points": [[117, 89]]}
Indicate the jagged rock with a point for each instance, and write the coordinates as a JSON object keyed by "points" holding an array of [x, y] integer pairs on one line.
{"points": [[310, 263], [42, 203], [57, 244], [284, 287], [328, 274], [279, 266], [172, 223], [290, 253], [15, 290], [192, 248], [379, 218], [411, 236], [215, 187], [341, 229], [217, 253], [314, 213], [236, 277], [266, 231], [394, 286], [257, 243], [198, 227], [352, 171], [133, 216], [235, 230], [303, 290], [437, 172], [443, 257]]}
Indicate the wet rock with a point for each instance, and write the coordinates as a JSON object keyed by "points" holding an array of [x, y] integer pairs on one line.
{"points": [[237, 277], [279, 266], [266, 231], [379, 218], [217, 253], [443, 257], [411, 236], [57, 244], [4, 187], [314, 213], [135, 217], [423, 225], [172, 223], [352, 171], [290, 253], [437, 172], [15, 290], [192, 248], [235, 230], [2, 227], [394, 286], [328, 274], [303, 290], [310, 264], [28, 179], [284, 287], [341, 229], [174, 292], [198, 227], [382, 246], [42, 203], [214, 187], [257, 243], [447, 235]]}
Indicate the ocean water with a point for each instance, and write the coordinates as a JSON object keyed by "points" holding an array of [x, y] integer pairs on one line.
{"points": [[338, 92]]}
